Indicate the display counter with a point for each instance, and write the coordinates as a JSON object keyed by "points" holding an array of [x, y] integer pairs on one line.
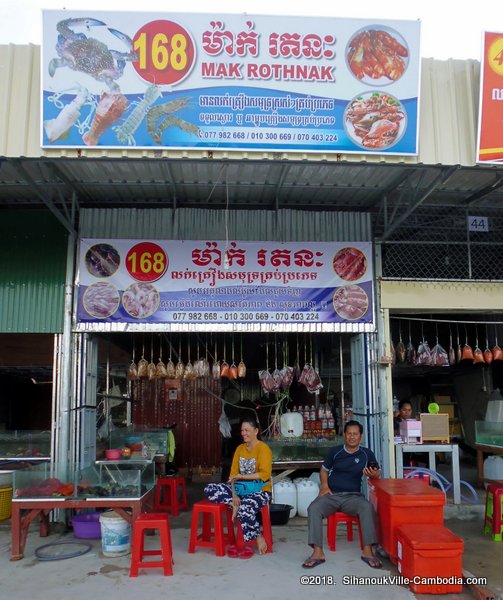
{"points": [[105, 479]]}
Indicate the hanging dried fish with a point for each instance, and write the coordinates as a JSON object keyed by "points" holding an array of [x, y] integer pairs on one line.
{"points": [[400, 350], [410, 350]]}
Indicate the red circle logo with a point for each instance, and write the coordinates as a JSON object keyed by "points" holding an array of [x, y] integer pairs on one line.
{"points": [[146, 262], [165, 51]]}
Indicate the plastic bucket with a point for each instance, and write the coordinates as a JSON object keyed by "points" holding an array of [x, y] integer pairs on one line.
{"points": [[285, 492], [493, 468], [307, 491], [115, 534]]}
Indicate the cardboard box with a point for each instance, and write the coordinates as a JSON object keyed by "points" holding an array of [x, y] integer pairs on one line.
{"points": [[450, 409], [435, 427], [442, 399]]}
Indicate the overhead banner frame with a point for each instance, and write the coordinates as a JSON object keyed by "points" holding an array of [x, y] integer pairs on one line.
{"points": [[233, 82]]}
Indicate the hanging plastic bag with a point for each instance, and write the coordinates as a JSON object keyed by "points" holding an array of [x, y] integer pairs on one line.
{"points": [[423, 356], [241, 370], [267, 381], [132, 372], [224, 424], [170, 370], [439, 357]]}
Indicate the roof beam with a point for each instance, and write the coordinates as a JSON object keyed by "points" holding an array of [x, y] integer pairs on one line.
{"points": [[44, 197], [441, 178]]}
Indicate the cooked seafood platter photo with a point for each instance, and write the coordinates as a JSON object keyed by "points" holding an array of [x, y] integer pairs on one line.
{"points": [[375, 120], [377, 55]]}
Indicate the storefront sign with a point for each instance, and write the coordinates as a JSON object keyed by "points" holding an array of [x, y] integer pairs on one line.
{"points": [[140, 281], [490, 131], [239, 82]]}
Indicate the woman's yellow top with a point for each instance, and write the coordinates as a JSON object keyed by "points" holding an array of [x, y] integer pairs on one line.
{"points": [[258, 460]]}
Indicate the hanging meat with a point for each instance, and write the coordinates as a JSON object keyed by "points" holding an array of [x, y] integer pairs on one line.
{"points": [[423, 356], [467, 353], [267, 381], [310, 378], [286, 377], [497, 351], [179, 370], [224, 369], [233, 372], [410, 351]]}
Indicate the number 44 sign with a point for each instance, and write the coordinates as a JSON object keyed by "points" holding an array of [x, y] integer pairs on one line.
{"points": [[478, 223]]}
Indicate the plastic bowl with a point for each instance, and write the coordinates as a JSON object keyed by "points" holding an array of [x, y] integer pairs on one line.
{"points": [[280, 513], [87, 526], [113, 454]]}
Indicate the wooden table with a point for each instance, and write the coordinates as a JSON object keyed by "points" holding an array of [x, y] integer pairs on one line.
{"points": [[481, 448], [26, 510]]}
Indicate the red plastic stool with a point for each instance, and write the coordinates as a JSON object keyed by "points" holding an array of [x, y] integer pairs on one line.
{"points": [[160, 522], [494, 509], [339, 517], [167, 493], [217, 530], [266, 530]]}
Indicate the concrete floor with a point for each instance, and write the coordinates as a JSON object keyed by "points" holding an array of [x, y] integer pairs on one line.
{"points": [[203, 575]]}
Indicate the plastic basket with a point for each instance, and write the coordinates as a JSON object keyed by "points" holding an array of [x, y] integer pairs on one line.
{"points": [[5, 503]]}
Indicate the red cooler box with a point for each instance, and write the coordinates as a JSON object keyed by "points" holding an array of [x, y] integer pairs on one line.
{"points": [[400, 502], [430, 556]]}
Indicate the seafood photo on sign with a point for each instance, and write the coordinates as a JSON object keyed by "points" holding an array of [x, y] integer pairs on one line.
{"points": [[141, 300], [351, 302], [350, 264], [102, 260], [101, 300], [377, 55], [91, 56], [375, 120]]}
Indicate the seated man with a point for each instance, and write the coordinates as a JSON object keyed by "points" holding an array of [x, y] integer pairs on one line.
{"points": [[340, 490]]}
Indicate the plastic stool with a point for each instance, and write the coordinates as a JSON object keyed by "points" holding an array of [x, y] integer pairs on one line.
{"points": [[339, 517], [143, 522], [266, 530], [166, 495], [213, 534], [494, 508]]}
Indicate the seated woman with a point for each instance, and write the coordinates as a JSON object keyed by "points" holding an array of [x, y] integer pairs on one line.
{"points": [[252, 460], [404, 413]]}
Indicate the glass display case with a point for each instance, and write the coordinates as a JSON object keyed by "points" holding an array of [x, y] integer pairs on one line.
{"points": [[105, 479], [301, 450], [28, 445], [142, 443], [489, 433]]}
